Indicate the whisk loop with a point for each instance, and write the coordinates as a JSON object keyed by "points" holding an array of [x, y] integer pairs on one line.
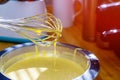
{"points": [[35, 26]]}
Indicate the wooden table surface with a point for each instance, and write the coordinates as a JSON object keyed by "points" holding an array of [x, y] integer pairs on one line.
{"points": [[109, 61]]}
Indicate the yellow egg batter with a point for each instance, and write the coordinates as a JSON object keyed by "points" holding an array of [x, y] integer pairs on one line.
{"points": [[43, 68]]}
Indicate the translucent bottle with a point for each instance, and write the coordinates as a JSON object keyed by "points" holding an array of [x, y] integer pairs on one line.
{"points": [[14, 9]]}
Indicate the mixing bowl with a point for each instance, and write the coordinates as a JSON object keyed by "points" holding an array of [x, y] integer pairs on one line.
{"points": [[88, 62]]}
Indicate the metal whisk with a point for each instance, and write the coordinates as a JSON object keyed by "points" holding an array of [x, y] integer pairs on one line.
{"points": [[35, 26]]}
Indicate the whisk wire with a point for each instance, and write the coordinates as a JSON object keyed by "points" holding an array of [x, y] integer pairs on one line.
{"points": [[31, 27]]}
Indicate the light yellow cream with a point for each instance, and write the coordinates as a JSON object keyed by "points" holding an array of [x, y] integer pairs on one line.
{"points": [[43, 68]]}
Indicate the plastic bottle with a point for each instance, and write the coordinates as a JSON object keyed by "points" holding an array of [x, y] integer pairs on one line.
{"points": [[13, 9]]}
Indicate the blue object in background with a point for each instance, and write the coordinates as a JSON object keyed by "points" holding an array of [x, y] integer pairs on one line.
{"points": [[13, 39], [16, 40]]}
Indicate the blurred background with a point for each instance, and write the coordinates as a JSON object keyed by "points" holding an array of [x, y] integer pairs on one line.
{"points": [[90, 24], [100, 19]]}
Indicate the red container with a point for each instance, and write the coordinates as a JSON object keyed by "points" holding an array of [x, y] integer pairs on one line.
{"points": [[108, 24]]}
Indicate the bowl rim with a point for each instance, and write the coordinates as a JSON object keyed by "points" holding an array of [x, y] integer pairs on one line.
{"points": [[90, 74]]}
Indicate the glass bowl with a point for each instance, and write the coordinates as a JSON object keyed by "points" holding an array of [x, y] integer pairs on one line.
{"points": [[87, 60]]}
